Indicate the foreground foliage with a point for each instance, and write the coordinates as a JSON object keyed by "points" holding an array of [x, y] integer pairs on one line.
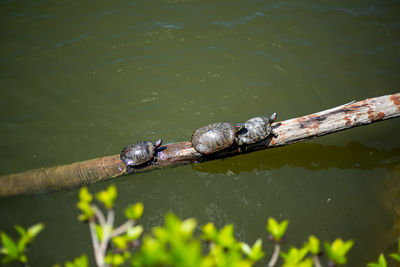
{"points": [[16, 250], [177, 243]]}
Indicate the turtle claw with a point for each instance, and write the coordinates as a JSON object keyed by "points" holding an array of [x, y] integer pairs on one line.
{"points": [[242, 149], [274, 134]]}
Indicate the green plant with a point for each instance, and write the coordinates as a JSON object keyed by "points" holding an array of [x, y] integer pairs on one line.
{"points": [[382, 260], [313, 246], [396, 255], [16, 250], [277, 231], [380, 263], [81, 261], [337, 250], [111, 245], [176, 243], [296, 258]]}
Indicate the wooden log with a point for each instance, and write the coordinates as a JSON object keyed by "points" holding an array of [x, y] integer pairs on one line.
{"points": [[289, 131]]}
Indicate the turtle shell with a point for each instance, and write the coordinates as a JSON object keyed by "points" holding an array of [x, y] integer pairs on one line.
{"points": [[256, 129], [213, 138], [137, 154]]}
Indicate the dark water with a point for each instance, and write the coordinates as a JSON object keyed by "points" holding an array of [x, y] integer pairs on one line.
{"points": [[79, 80]]}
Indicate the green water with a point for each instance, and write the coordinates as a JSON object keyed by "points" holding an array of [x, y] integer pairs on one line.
{"points": [[79, 80]]}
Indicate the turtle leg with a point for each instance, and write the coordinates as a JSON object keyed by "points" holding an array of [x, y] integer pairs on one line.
{"points": [[243, 149], [155, 158], [129, 169], [274, 134], [239, 145]]}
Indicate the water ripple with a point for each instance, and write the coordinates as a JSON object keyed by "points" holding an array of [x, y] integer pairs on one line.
{"points": [[240, 21], [71, 40], [361, 12], [118, 60]]}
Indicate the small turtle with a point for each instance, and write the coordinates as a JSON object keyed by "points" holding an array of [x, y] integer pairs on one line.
{"points": [[214, 137], [255, 129], [137, 154]]}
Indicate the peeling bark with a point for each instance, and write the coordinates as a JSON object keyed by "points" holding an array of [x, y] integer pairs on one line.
{"points": [[289, 131]]}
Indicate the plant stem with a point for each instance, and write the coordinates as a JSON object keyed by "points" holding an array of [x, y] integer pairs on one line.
{"points": [[95, 241], [100, 246], [107, 228], [275, 256], [316, 261], [122, 228], [99, 215]]}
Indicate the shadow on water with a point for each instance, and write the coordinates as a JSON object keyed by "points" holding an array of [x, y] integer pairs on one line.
{"points": [[389, 197], [311, 156]]}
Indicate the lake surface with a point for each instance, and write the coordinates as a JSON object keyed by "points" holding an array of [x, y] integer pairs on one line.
{"points": [[82, 79]]}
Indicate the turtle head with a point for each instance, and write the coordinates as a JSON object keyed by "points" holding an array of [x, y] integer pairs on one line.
{"points": [[273, 117], [239, 127], [158, 143]]}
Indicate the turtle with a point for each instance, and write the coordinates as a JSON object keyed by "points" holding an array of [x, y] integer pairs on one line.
{"points": [[214, 137], [139, 153], [255, 129]]}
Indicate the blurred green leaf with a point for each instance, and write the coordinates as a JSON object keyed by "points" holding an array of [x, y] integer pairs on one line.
{"points": [[20, 230], [175, 230], [134, 212], [255, 253], [225, 236], [305, 263], [337, 250], [10, 248], [182, 253], [120, 242], [395, 256], [173, 244], [87, 210], [134, 232], [209, 232], [112, 191], [126, 254], [380, 263], [84, 195], [15, 251], [115, 259], [295, 257], [161, 234], [277, 230], [8, 259], [172, 222], [33, 231], [81, 261], [21, 245], [22, 258], [245, 248], [3, 250], [152, 253], [313, 245], [188, 226], [227, 257], [107, 197]]}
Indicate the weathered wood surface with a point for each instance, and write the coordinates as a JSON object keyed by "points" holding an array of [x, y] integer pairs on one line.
{"points": [[289, 131]]}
